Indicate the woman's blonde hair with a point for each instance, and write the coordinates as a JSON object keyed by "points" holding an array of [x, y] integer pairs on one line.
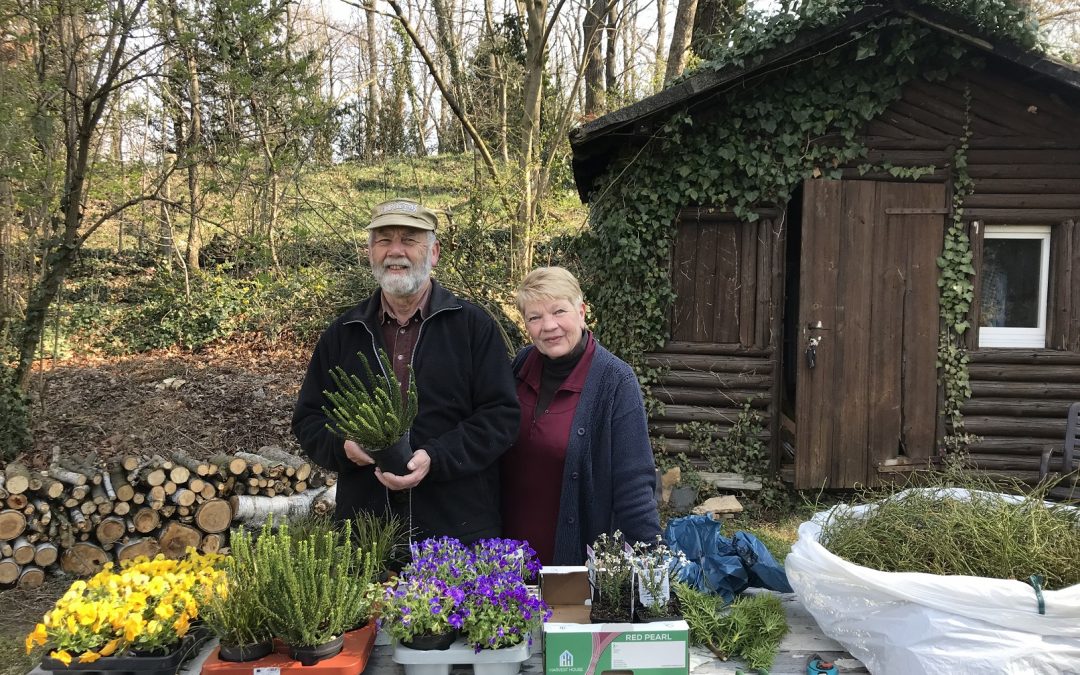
{"points": [[548, 283]]}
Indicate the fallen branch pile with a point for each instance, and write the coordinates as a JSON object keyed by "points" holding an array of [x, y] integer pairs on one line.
{"points": [[80, 513]]}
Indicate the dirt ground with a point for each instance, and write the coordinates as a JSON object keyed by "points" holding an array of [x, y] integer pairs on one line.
{"points": [[234, 396]]}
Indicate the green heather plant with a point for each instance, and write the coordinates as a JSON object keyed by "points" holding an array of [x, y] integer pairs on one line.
{"points": [[372, 415], [322, 584], [235, 612]]}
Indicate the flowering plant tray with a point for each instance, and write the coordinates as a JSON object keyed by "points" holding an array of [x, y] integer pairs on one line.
{"points": [[165, 664]]}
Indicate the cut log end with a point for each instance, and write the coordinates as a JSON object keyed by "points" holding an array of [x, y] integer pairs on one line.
{"points": [[31, 577], [177, 537], [12, 524], [83, 559], [214, 515]]}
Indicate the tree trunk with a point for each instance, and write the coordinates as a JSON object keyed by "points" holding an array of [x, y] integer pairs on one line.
{"points": [[660, 61], [611, 48], [681, 34], [193, 138], [712, 19], [594, 63], [371, 126]]}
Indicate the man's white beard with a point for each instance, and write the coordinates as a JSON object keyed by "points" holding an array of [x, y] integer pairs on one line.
{"points": [[402, 284]]}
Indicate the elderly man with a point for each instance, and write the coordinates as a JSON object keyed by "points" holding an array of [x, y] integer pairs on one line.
{"points": [[468, 411]]}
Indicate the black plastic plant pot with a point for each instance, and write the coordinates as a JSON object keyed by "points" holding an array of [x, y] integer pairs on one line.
{"points": [[153, 664], [394, 458], [239, 653], [310, 655], [431, 642]]}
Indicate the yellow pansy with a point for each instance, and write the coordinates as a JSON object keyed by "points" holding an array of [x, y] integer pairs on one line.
{"points": [[89, 657], [110, 647], [181, 624], [62, 656]]}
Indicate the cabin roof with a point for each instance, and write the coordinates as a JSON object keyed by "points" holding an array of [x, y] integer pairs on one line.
{"points": [[594, 142]]}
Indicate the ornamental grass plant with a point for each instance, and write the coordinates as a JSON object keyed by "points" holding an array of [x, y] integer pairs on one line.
{"points": [[370, 411], [144, 605], [386, 537], [960, 523]]}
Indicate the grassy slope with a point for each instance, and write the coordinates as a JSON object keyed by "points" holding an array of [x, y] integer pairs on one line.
{"points": [[337, 200]]}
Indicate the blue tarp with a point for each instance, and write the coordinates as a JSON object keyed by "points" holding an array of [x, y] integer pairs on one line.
{"points": [[720, 565]]}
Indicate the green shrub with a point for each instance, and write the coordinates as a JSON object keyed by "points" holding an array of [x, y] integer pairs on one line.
{"points": [[14, 417]]}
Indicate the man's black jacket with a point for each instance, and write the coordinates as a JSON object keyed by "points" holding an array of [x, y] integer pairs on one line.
{"points": [[468, 416]]}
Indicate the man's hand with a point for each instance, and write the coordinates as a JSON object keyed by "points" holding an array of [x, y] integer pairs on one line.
{"points": [[418, 467], [356, 454]]}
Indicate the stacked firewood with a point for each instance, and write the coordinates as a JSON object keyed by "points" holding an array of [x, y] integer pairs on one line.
{"points": [[81, 512]]}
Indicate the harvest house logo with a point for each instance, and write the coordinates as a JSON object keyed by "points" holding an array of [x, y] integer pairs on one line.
{"points": [[566, 659]]}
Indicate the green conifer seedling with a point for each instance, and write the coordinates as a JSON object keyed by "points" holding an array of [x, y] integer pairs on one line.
{"points": [[370, 411]]}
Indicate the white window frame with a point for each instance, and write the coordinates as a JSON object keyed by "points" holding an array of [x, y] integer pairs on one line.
{"points": [[990, 336]]}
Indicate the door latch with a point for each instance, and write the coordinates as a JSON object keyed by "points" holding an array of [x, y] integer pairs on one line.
{"points": [[811, 351]]}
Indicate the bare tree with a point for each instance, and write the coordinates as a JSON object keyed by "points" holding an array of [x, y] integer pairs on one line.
{"points": [[184, 40], [89, 56]]}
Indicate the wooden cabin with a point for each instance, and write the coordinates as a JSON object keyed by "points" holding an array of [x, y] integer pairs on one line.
{"points": [[824, 312]]}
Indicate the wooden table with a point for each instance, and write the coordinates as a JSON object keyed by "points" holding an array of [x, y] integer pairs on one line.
{"points": [[803, 640]]}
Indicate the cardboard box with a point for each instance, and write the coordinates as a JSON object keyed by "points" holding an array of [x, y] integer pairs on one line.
{"points": [[573, 646]]}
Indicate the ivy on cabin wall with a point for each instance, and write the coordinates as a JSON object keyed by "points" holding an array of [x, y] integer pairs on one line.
{"points": [[957, 292], [777, 130]]}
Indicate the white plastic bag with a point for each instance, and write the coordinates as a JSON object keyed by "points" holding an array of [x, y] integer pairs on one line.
{"points": [[913, 623]]}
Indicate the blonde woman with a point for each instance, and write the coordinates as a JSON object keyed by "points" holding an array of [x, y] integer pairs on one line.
{"points": [[582, 463]]}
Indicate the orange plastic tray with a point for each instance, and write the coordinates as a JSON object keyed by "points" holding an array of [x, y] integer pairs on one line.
{"points": [[351, 661]]}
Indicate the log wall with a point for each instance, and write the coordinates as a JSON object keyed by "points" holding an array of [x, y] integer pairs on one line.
{"points": [[725, 325], [1018, 406], [708, 383]]}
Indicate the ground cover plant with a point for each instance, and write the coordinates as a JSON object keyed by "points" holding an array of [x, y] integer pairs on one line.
{"points": [[1003, 531]]}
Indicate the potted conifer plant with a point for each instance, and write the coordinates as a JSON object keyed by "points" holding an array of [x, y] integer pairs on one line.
{"points": [[371, 412]]}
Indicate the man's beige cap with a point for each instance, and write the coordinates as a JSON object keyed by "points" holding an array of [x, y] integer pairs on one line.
{"points": [[403, 213]]}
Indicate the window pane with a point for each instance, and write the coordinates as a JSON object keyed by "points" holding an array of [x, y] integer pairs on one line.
{"points": [[1010, 283]]}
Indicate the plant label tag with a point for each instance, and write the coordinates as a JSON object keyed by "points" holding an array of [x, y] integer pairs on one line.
{"points": [[660, 592], [266, 671]]}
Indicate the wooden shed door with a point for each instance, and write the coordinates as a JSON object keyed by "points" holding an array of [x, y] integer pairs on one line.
{"points": [[869, 276]]}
